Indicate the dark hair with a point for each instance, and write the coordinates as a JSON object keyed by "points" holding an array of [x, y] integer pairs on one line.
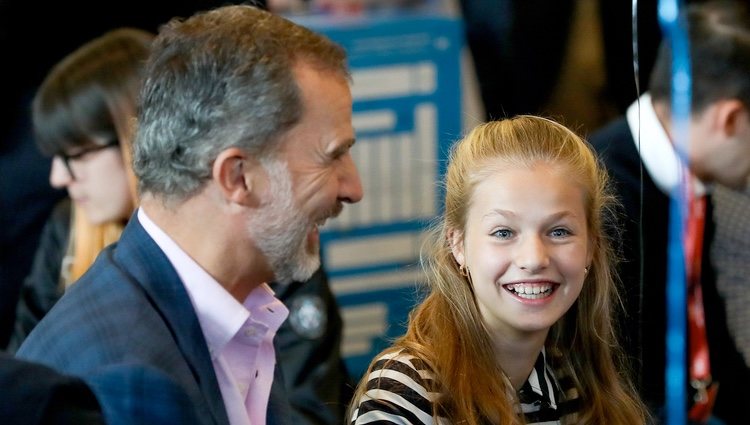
{"points": [[82, 95], [719, 33], [220, 79]]}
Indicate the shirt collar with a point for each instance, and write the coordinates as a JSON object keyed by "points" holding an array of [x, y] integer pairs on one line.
{"points": [[656, 150], [540, 386], [220, 315]]}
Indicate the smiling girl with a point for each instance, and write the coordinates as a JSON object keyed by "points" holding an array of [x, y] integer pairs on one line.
{"points": [[517, 326]]}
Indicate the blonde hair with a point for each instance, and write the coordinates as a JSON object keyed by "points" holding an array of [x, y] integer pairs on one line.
{"points": [[446, 329]]}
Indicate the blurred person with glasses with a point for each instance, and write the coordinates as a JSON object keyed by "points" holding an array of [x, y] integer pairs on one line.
{"points": [[83, 116], [69, 158]]}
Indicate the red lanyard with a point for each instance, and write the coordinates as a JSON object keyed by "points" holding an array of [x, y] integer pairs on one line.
{"points": [[700, 367], [699, 361]]}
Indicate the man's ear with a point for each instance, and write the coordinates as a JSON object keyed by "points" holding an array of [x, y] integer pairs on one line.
{"points": [[235, 175], [731, 117], [456, 241]]}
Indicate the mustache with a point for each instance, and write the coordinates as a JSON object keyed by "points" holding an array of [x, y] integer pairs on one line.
{"points": [[335, 210]]}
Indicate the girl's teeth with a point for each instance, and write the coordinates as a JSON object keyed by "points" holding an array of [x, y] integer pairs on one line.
{"points": [[530, 290]]}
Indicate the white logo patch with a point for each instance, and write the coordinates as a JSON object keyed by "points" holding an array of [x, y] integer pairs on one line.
{"points": [[308, 317]]}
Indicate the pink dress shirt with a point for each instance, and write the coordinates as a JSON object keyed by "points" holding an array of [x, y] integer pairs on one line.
{"points": [[239, 335]]}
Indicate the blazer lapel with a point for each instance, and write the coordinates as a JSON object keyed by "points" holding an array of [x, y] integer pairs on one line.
{"points": [[139, 256]]}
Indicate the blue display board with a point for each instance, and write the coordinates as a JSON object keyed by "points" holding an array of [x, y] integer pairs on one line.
{"points": [[407, 112]]}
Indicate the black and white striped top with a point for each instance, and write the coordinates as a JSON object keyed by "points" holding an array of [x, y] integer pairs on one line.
{"points": [[396, 394]]}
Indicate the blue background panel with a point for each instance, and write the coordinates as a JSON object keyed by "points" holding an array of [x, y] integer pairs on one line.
{"points": [[407, 112]]}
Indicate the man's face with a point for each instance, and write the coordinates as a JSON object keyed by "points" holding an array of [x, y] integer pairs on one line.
{"points": [[721, 154], [321, 173], [734, 171]]}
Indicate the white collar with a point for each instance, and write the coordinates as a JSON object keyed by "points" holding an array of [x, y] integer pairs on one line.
{"points": [[656, 150], [219, 314]]}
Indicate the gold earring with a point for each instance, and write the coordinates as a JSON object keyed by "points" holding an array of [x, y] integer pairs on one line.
{"points": [[585, 270], [464, 270]]}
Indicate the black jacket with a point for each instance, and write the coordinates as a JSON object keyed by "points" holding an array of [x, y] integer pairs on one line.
{"points": [[644, 333]]}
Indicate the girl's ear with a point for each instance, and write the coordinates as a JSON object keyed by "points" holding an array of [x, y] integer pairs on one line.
{"points": [[456, 240]]}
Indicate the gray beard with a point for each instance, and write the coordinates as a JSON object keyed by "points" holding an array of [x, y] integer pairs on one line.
{"points": [[279, 229]]}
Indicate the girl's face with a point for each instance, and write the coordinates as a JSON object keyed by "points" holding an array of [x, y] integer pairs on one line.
{"points": [[96, 180], [526, 246]]}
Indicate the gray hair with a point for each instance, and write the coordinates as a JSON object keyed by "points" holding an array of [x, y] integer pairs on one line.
{"points": [[220, 79]]}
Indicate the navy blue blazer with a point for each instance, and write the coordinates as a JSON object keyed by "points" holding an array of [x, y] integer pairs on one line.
{"points": [[131, 308], [120, 395], [137, 394], [37, 395]]}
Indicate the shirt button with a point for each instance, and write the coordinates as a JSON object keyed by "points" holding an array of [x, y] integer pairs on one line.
{"points": [[250, 332]]}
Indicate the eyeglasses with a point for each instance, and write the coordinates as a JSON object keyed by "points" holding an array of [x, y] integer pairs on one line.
{"points": [[66, 159]]}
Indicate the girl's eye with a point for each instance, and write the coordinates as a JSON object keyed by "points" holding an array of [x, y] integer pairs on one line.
{"points": [[502, 233], [559, 233]]}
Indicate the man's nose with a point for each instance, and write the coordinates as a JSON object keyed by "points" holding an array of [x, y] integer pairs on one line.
{"points": [[350, 189]]}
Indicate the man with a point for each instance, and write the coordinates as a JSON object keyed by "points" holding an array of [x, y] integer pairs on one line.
{"points": [[718, 153], [242, 151]]}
